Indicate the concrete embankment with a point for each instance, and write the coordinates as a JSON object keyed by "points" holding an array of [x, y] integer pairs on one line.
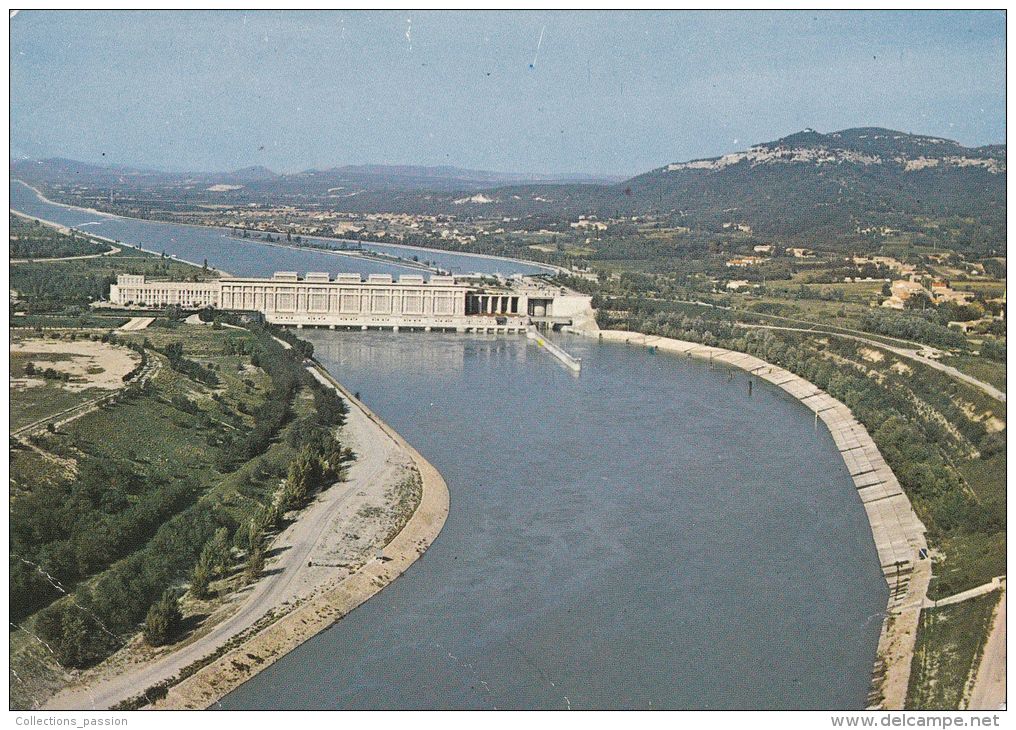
{"points": [[214, 681], [898, 533], [572, 363]]}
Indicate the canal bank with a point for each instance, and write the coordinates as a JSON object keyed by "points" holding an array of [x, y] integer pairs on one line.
{"points": [[898, 533], [206, 686], [312, 578]]}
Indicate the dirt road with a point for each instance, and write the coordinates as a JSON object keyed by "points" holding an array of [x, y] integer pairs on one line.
{"points": [[288, 575], [989, 685], [917, 355]]}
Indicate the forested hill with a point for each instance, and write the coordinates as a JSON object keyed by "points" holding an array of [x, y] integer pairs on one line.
{"points": [[841, 188], [854, 180]]}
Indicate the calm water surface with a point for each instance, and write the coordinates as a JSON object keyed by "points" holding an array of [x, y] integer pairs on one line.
{"points": [[642, 536], [242, 257]]}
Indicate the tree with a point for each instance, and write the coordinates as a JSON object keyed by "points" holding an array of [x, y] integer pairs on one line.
{"points": [[214, 559], [163, 621], [73, 633], [201, 578], [305, 477], [218, 551], [255, 562]]}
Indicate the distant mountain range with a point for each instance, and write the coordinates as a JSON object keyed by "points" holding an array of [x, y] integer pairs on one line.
{"points": [[808, 187], [349, 178]]}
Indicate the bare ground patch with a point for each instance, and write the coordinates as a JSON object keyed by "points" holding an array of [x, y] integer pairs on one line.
{"points": [[89, 364]]}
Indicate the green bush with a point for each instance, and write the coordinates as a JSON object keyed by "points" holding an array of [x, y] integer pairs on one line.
{"points": [[162, 624]]}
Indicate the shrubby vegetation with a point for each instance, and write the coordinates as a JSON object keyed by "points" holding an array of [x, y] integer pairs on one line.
{"points": [[203, 374], [912, 327], [30, 239], [163, 621], [118, 541], [64, 532], [993, 349], [97, 618]]}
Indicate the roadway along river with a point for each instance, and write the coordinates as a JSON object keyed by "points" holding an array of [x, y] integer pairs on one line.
{"points": [[642, 536], [244, 257]]}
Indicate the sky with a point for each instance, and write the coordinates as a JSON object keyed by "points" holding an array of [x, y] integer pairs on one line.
{"points": [[606, 93]]}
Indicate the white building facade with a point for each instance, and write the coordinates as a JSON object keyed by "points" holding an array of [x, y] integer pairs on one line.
{"points": [[348, 300]]}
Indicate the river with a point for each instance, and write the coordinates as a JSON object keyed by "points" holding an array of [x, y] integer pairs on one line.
{"points": [[245, 257], [644, 535]]}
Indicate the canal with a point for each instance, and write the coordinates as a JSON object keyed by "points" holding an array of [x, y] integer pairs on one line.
{"points": [[244, 257], [644, 535]]}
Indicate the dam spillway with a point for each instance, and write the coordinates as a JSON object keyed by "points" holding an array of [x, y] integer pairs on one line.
{"points": [[572, 363]]}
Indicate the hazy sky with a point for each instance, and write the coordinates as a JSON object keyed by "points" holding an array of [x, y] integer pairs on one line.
{"points": [[602, 92]]}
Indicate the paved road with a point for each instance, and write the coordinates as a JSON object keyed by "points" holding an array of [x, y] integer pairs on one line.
{"points": [[286, 576], [917, 355], [989, 686]]}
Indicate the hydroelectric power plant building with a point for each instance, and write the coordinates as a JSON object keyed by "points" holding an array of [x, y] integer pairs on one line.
{"points": [[349, 301]]}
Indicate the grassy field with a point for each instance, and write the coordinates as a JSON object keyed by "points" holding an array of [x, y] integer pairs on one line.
{"points": [[986, 476], [845, 313], [35, 404], [987, 287], [85, 320], [862, 292], [47, 397], [949, 646], [150, 431]]}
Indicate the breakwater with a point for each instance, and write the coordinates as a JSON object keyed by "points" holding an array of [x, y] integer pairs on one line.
{"points": [[572, 363]]}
